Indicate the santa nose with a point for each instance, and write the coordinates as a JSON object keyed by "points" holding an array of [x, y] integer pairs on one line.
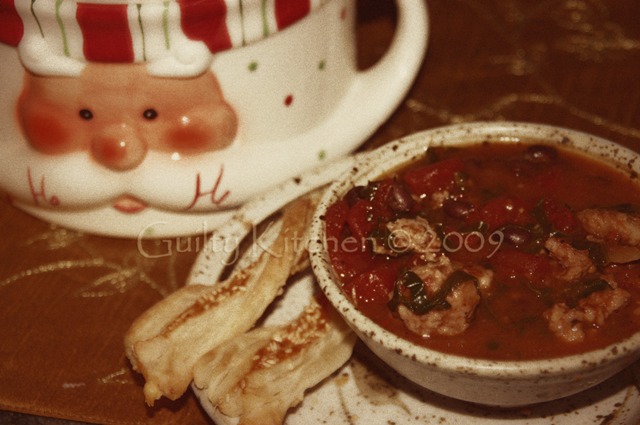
{"points": [[118, 148]]}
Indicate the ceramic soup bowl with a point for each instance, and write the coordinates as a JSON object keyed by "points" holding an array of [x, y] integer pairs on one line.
{"points": [[479, 380], [148, 118]]}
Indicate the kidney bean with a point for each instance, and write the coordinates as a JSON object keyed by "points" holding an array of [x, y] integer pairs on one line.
{"points": [[355, 194], [516, 235], [456, 208], [399, 199]]}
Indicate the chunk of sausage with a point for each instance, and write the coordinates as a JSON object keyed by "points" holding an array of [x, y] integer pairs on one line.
{"points": [[575, 262], [411, 234], [451, 321], [611, 225], [568, 324], [434, 273]]}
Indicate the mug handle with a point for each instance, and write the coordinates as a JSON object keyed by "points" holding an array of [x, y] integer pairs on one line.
{"points": [[388, 81], [381, 88]]}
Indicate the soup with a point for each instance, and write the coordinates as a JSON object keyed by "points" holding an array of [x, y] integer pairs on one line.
{"points": [[495, 250]]}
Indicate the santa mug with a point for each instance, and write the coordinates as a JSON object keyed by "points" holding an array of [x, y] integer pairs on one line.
{"points": [[160, 117]]}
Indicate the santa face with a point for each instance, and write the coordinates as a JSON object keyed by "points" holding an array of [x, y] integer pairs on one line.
{"points": [[118, 104], [119, 113]]}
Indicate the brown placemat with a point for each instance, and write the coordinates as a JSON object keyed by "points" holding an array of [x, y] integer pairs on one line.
{"points": [[66, 300]]}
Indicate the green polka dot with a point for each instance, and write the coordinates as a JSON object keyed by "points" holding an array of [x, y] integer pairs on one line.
{"points": [[322, 155], [253, 66], [322, 64]]}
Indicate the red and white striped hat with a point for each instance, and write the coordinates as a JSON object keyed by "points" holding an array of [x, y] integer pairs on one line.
{"points": [[175, 38]]}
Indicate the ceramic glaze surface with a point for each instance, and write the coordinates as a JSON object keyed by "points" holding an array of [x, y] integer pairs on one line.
{"points": [[121, 115]]}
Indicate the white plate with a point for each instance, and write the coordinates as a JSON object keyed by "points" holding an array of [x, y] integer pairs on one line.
{"points": [[365, 391]]}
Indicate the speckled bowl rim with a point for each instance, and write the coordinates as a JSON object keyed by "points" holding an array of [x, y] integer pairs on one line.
{"points": [[410, 148]]}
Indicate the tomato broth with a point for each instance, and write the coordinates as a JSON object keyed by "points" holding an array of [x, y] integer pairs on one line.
{"points": [[489, 251]]}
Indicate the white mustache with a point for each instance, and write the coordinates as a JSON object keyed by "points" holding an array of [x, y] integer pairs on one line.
{"points": [[76, 181], [206, 182]]}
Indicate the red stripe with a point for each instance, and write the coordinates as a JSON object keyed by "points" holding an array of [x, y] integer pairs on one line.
{"points": [[106, 34], [291, 11], [204, 20], [11, 28]]}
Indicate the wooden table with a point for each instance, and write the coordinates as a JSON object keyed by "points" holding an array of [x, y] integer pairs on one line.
{"points": [[66, 298]]}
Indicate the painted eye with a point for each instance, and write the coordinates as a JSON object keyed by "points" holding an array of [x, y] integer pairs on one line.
{"points": [[86, 114], [150, 114]]}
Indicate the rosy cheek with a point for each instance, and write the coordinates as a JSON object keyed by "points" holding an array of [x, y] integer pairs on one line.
{"points": [[189, 139], [47, 133], [204, 130]]}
